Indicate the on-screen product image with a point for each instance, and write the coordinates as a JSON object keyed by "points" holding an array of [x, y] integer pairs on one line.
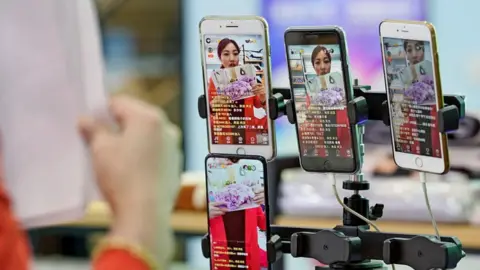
{"points": [[236, 73], [321, 90], [414, 95], [238, 222]]}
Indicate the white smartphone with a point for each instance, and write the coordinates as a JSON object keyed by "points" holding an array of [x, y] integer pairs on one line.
{"points": [[236, 70], [414, 103]]}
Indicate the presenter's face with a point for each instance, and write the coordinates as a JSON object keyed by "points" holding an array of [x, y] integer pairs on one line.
{"points": [[322, 64], [229, 56], [415, 52]]}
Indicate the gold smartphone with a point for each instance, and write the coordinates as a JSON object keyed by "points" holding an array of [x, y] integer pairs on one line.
{"points": [[414, 91], [236, 70]]}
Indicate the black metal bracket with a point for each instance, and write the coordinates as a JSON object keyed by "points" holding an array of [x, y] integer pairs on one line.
{"points": [[274, 248], [355, 244], [373, 106]]}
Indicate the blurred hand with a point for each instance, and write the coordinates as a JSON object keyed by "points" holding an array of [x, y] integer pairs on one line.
{"points": [[259, 91], [220, 100], [215, 209], [126, 162], [259, 196]]}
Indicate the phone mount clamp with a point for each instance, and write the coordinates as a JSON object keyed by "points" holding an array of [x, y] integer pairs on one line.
{"points": [[352, 245]]}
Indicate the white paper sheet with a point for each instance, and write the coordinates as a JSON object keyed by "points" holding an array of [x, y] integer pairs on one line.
{"points": [[49, 57]]}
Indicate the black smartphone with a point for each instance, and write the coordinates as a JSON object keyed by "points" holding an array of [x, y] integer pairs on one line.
{"points": [[238, 221], [321, 89]]}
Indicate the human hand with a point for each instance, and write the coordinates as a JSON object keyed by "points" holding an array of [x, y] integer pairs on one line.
{"points": [[126, 163], [215, 209], [259, 196], [259, 91]]}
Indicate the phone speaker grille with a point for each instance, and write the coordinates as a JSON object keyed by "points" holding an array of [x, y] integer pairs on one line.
{"points": [[232, 26]]}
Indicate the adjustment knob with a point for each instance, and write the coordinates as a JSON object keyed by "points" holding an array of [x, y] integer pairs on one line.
{"points": [[376, 211]]}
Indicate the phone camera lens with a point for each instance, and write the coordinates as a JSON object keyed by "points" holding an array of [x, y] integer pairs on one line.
{"points": [[397, 30]]}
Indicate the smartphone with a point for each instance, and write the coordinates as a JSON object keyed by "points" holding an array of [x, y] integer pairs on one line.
{"points": [[327, 142], [238, 214], [236, 71], [414, 95]]}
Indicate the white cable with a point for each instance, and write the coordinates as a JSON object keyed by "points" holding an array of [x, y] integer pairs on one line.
{"points": [[353, 212], [423, 180]]}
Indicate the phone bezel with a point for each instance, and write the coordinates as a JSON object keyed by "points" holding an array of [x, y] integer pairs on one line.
{"points": [[421, 31], [241, 26], [265, 186], [326, 35]]}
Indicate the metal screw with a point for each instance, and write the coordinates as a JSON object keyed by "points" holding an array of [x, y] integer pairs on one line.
{"points": [[419, 253]]}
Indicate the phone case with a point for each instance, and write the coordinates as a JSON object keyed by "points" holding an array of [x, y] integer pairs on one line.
{"points": [[313, 85], [436, 71], [262, 236], [424, 68], [245, 71], [348, 86], [266, 69], [220, 79]]}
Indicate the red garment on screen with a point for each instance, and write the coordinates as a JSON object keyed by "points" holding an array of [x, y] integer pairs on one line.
{"points": [[254, 218], [343, 133], [248, 112]]}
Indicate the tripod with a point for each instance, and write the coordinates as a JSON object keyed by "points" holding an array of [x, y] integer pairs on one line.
{"points": [[351, 222]]}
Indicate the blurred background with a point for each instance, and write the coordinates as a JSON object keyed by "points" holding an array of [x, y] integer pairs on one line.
{"points": [[151, 50]]}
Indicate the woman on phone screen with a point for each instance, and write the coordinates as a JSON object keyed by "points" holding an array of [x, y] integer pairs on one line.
{"points": [[321, 59], [228, 51], [239, 229]]}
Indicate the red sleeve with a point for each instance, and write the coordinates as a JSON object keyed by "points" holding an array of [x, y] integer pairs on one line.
{"points": [[257, 103], [114, 259], [212, 92], [261, 220], [14, 248]]}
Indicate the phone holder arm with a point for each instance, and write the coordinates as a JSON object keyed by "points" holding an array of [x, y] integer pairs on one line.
{"points": [[202, 106], [277, 104], [350, 244], [373, 106], [274, 248]]}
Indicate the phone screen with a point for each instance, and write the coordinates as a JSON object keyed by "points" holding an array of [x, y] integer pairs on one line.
{"points": [[320, 100], [236, 89], [238, 217], [412, 96]]}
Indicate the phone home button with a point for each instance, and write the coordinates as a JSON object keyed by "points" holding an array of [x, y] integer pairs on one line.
{"points": [[419, 162], [327, 165], [241, 151]]}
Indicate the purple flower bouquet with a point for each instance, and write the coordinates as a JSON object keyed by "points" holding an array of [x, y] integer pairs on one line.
{"points": [[330, 97], [240, 88], [235, 195], [421, 91]]}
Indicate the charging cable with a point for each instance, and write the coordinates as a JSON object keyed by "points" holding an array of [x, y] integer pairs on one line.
{"points": [[350, 210], [423, 180]]}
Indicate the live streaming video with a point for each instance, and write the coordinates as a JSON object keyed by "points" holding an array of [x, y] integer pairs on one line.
{"points": [[320, 100], [412, 92], [237, 214], [237, 97]]}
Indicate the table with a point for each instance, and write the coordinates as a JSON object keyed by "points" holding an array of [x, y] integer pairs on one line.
{"points": [[195, 223]]}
